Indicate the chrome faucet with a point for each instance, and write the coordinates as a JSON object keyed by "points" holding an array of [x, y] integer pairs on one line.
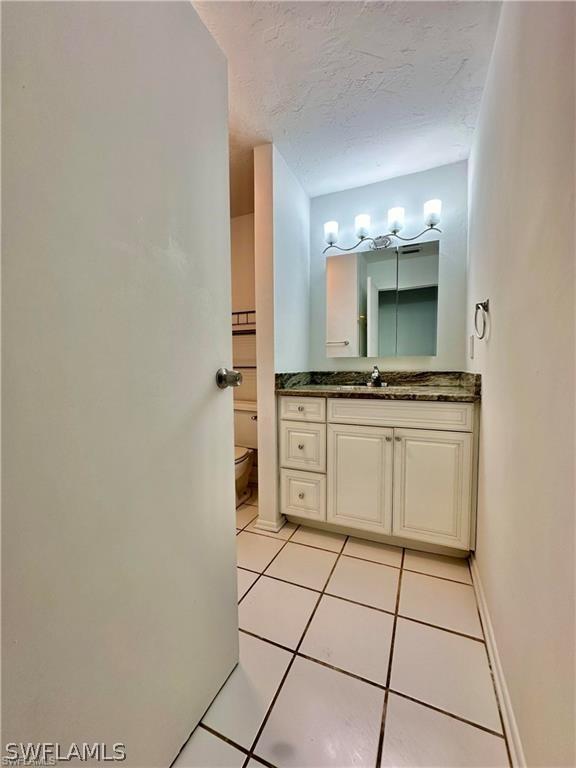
{"points": [[376, 378]]}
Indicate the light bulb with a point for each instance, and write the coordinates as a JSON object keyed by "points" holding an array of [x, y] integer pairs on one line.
{"points": [[362, 225], [331, 232], [432, 211], [395, 219]]}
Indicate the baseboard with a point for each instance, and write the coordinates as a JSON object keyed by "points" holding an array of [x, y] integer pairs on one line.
{"points": [[268, 525], [510, 725]]}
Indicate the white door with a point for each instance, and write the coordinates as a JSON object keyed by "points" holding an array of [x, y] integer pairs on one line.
{"points": [[372, 317], [342, 310], [433, 486], [360, 477], [118, 511]]}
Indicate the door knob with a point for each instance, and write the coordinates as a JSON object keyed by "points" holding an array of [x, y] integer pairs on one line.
{"points": [[228, 378]]}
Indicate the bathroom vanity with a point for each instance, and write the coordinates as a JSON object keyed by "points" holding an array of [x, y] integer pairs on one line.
{"points": [[395, 463]]}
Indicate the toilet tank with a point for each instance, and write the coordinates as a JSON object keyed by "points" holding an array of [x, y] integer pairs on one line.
{"points": [[245, 424]]}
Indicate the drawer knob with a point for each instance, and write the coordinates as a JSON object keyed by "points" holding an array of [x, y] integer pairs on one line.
{"points": [[301, 408], [300, 495], [301, 446]]}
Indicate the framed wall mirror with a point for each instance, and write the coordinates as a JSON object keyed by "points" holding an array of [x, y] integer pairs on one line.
{"points": [[383, 303]]}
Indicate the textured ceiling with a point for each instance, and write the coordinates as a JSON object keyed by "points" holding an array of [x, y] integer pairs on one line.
{"points": [[351, 92]]}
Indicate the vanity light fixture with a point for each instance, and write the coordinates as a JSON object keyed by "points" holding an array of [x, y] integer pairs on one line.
{"points": [[331, 232], [432, 211], [362, 225]]}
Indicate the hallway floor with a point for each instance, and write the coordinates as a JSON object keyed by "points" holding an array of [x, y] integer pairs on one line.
{"points": [[352, 653]]}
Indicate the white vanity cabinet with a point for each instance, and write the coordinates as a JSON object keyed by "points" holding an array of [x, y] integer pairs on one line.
{"points": [[397, 468]]}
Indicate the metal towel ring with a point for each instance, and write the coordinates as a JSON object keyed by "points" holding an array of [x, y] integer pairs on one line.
{"points": [[484, 308]]}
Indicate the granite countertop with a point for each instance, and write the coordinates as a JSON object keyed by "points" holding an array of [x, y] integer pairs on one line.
{"points": [[451, 387]]}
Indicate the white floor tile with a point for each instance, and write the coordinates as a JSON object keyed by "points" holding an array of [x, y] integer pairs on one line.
{"points": [[240, 707], [437, 565], [303, 565], [350, 637], [373, 550], [322, 539], [245, 581], [284, 533], [322, 718], [244, 515], [445, 670], [418, 737], [255, 552], [437, 601], [277, 611], [204, 750], [368, 583]]}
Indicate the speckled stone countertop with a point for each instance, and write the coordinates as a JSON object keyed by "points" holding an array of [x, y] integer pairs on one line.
{"points": [[450, 387]]}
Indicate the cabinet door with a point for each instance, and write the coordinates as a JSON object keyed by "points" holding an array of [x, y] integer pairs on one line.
{"points": [[360, 477], [433, 486]]}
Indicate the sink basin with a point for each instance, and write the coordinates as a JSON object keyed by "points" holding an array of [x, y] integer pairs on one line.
{"points": [[355, 386]]}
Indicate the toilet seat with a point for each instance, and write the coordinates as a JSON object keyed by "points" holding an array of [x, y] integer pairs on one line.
{"points": [[240, 453]]}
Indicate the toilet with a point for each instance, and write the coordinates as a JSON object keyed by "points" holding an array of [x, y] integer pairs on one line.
{"points": [[246, 442]]}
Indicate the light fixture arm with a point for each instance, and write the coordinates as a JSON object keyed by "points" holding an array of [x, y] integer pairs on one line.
{"points": [[382, 241]]}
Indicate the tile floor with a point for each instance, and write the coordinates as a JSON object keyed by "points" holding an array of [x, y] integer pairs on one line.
{"points": [[352, 654]]}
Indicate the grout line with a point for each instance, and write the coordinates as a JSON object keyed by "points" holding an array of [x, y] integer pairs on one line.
{"points": [[443, 629], [448, 714], [342, 671], [295, 654], [389, 673], [442, 578], [224, 738]]}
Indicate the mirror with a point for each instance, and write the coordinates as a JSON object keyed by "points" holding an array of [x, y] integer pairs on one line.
{"points": [[383, 303]]}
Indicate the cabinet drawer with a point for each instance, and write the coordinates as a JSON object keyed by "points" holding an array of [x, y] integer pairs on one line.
{"points": [[458, 417], [303, 446], [303, 494], [303, 408]]}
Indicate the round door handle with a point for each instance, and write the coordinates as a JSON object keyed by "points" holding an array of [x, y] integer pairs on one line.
{"points": [[301, 446], [301, 408], [300, 495], [228, 378]]}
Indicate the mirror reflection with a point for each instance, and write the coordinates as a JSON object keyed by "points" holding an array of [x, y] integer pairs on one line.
{"points": [[383, 303]]}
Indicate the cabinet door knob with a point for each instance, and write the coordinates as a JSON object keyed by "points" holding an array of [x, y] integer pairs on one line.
{"points": [[301, 446], [300, 495], [388, 439], [398, 439]]}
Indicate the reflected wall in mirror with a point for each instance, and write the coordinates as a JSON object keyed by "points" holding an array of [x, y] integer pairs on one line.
{"points": [[383, 303]]}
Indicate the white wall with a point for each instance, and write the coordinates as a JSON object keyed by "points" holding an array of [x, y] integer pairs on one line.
{"points": [[268, 514], [521, 244], [118, 581], [242, 243], [291, 269], [449, 183]]}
